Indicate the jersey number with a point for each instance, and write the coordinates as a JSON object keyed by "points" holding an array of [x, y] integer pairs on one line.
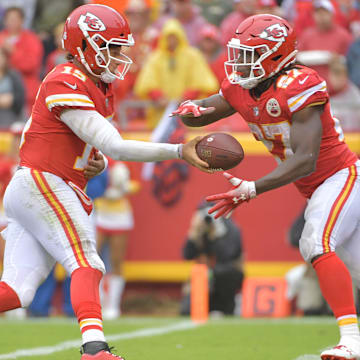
{"points": [[276, 137], [75, 72], [82, 160]]}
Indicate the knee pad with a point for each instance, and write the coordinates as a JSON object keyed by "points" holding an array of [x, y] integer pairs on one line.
{"points": [[25, 284], [308, 243]]}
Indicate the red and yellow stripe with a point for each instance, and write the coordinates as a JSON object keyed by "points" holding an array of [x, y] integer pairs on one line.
{"points": [[88, 324], [337, 207], [347, 320], [63, 216]]}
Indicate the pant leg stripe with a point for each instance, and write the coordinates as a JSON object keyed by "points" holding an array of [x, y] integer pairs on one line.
{"points": [[63, 217], [337, 207]]}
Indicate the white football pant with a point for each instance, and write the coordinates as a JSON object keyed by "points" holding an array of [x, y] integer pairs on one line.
{"points": [[46, 224], [332, 220]]}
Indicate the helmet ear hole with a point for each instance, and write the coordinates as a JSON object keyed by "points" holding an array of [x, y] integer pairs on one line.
{"points": [[276, 58], [83, 45]]}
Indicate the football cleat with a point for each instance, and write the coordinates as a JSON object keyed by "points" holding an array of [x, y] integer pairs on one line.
{"points": [[350, 351], [97, 350]]}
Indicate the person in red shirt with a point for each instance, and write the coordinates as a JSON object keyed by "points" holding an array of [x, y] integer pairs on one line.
{"points": [[45, 203], [325, 38], [210, 45], [58, 56], [25, 50], [287, 108], [242, 9]]}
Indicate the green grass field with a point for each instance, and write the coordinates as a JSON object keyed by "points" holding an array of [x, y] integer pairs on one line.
{"points": [[174, 338]]}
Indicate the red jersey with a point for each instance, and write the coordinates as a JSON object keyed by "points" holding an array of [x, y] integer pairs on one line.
{"points": [[269, 119], [47, 143]]}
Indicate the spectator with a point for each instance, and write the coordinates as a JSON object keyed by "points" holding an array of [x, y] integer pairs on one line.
{"points": [[188, 15], [352, 59], [58, 56], [268, 7], [28, 6], [114, 221], [12, 95], [121, 5], [138, 14], [302, 13], [326, 37], [211, 47], [242, 9], [48, 15], [217, 244], [345, 99], [25, 50], [214, 11], [174, 71]]}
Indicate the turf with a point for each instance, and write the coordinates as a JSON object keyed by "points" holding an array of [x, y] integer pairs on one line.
{"points": [[224, 339]]}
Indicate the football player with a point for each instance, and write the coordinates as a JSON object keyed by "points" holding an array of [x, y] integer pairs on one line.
{"points": [[287, 108], [45, 204]]}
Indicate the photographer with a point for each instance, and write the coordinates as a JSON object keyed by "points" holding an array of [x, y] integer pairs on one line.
{"points": [[216, 243]]}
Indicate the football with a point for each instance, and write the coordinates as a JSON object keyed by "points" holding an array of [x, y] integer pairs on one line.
{"points": [[221, 151]]}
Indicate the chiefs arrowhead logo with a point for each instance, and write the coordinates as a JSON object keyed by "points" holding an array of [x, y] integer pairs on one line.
{"points": [[275, 32], [91, 22], [273, 107]]}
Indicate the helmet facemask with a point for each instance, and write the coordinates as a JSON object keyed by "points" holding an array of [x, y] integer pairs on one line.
{"points": [[240, 55], [123, 60]]}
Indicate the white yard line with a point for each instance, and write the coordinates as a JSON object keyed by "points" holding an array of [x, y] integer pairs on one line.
{"points": [[66, 345]]}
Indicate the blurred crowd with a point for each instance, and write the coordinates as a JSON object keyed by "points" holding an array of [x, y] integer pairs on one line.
{"points": [[179, 53]]}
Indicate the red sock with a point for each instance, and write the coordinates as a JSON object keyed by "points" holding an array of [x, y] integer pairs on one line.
{"points": [[335, 284], [84, 290], [8, 298]]}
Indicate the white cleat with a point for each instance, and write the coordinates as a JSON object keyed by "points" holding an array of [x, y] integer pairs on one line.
{"points": [[347, 349]]}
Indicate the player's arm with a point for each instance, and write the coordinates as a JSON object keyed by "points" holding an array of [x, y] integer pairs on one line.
{"points": [[305, 138], [91, 127], [203, 112]]}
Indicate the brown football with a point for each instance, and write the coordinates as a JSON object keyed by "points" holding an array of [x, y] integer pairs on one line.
{"points": [[221, 151]]}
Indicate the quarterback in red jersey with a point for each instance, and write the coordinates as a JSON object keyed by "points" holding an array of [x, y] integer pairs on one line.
{"points": [[45, 204], [287, 108]]}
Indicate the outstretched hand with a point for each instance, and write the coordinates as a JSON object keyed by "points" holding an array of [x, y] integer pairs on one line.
{"points": [[190, 155], [189, 109], [227, 202]]}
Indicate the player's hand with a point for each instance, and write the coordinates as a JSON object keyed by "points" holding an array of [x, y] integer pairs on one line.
{"points": [[190, 156], [226, 202], [94, 166], [189, 109]]}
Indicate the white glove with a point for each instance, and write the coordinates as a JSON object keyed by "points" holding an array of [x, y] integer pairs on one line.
{"points": [[242, 191]]}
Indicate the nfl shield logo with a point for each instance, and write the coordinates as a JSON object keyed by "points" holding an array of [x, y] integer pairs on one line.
{"points": [[256, 111]]}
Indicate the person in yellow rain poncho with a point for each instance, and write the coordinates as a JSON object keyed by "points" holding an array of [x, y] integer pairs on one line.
{"points": [[173, 72]]}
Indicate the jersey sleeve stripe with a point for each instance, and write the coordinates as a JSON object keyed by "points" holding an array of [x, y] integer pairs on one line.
{"points": [[68, 100], [296, 101]]}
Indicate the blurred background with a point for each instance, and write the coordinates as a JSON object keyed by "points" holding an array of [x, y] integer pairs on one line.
{"points": [[150, 218]]}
